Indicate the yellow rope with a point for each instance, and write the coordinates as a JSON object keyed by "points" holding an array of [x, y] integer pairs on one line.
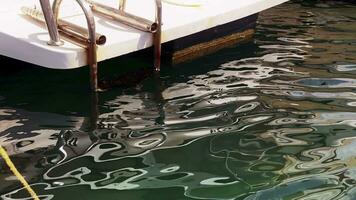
{"points": [[12, 167]]}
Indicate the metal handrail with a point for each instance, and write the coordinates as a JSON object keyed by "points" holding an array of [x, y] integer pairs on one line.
{"points": [[67, 30], [51, 24], [92, 47], [157, 36], [157, 40], [135, 22]]}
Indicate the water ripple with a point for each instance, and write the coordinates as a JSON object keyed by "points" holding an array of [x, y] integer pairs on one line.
{"points": [[274, 120]]}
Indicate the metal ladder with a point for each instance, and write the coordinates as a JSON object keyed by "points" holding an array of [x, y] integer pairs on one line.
{"points": [[88, 38]]}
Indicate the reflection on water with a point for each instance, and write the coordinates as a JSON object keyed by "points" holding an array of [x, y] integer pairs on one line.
{"points": [[278, 123]]}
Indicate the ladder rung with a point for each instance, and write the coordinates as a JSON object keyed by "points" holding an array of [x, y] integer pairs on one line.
{"points": [[124, 17]]}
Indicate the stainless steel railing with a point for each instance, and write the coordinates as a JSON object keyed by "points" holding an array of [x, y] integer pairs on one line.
{"points": [[51, 23], [88, 38], [91, 46], [120, 15]]}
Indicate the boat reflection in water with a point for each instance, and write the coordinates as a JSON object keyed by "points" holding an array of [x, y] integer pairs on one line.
{"points": [[276, 124]]}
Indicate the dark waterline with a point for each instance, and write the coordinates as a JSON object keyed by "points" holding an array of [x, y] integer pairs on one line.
{"points": [[271, 119]]}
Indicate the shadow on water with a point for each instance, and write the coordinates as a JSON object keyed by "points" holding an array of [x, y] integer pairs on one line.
{"points": [[272, 119]]}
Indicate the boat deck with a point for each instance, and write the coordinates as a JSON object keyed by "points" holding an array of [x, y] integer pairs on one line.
{"points": [[22, 39]]}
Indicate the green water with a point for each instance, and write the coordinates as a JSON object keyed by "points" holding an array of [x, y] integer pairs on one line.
{"points": [[272, 119]]}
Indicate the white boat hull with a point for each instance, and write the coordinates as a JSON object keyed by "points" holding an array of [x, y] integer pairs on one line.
{"points": [[22, 39]]}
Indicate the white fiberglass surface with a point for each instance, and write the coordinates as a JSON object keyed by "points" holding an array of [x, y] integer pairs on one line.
{"points": [[180, 18]]}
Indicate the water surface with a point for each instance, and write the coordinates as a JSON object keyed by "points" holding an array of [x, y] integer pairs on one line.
{"points": [[271, 119]]}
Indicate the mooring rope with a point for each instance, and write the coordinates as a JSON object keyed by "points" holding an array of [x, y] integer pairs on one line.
{"points": [[18, 175]]}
